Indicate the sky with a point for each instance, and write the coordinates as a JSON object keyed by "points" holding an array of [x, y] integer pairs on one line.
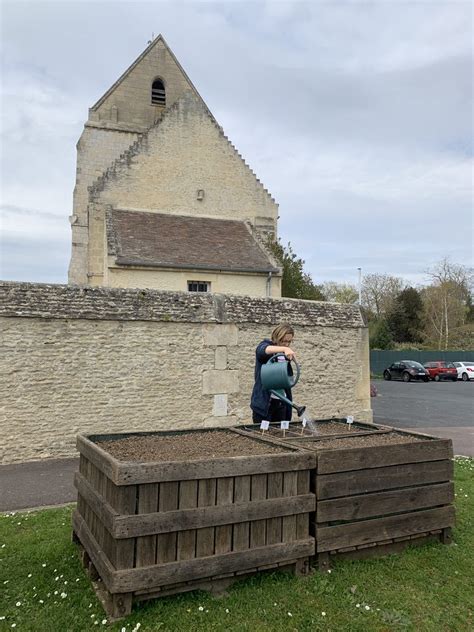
{"points": [[356, 115]]}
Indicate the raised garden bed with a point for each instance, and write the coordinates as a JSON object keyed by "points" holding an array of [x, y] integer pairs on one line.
{"points": [[161, 513], [377, 493]]}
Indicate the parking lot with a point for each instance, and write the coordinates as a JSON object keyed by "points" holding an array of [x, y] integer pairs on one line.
{"points": [[445, 409]]}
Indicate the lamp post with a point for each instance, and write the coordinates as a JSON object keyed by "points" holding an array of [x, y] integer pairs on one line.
{"points": [[360, 286]]}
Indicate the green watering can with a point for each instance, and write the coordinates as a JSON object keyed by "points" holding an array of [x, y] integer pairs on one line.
{"points": [[277, 375]]}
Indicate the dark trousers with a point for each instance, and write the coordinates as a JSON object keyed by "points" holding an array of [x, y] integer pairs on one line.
{"points": [[277, 412]]}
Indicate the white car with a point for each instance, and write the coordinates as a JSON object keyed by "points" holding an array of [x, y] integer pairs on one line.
{"points": [[465, 370]]}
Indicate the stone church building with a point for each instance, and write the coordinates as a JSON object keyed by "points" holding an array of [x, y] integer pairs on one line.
{"points": [[163, 200]]}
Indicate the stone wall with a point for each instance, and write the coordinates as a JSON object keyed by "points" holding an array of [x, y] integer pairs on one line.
{"points": [[177, 280], [113, 360]]}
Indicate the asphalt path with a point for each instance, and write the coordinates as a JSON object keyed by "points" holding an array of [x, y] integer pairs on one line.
{"points": [[444, 409]]}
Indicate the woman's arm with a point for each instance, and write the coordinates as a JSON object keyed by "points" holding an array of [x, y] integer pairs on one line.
{"points": [[272, 349]]}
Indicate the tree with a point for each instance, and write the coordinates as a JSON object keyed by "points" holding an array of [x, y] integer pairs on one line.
{"points": [[380, 336], [339, 292], [405, 318], [447, 301], [379, 292], [296, 283]]}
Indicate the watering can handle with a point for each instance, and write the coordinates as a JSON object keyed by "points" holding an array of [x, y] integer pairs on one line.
{"points": [[296, 377]]}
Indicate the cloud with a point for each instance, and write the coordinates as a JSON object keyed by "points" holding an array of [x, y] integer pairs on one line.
{"points": [[357, 116]]}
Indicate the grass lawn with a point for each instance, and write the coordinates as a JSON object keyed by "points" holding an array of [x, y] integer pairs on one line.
{"points": [[431, 588]]}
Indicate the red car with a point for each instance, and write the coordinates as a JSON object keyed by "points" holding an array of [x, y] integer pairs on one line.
{"points": [[442, 370]]}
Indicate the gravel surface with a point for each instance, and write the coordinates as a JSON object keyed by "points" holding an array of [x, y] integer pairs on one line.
{"points": [[186, 446], [362, 442], [323, 428]]}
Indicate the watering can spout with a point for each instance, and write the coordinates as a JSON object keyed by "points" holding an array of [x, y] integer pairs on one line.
{"points": [[299, 409]]}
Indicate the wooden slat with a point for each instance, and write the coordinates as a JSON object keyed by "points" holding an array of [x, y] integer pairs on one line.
{"points": [[206, 498], [258, 492], [137, 473], [380, 550], [302, 520], [97, 503], [145, 553], [212, 516], [225, 497], [124, 502], [346, 459], [100, 458], [383, 478], [290, 490], [102, 564], [190, 570], [241, 532], [380, 529], [386, 502], [166, 543], [186, 546], [274, 490]]}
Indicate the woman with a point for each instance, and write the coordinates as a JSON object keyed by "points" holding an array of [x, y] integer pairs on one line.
{"points": [[264, 405]]}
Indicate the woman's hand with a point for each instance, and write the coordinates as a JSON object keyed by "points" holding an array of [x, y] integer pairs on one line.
{"points": [[289, 353]]}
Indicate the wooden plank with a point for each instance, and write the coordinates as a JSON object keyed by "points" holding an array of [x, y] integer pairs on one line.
{"points": [[100, 458], [186, 543], [138, 473], [146, 578], [258, 493], [379, 529], [346, 459], [241, 531], [383, 478], [302, 519], [290, 490], [206, 498], [145, 553], [274, 490], [377, 550], [212, 516], [386, 502], [224, 497], [166, 543], [123, 500], [98, 504], [102, 564]]}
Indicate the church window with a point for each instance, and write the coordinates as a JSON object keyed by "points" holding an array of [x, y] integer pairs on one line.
{"points": [[158, 95], [199, 286]]}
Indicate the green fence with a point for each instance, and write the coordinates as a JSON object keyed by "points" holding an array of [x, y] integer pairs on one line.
{"points": [[380, 360]]}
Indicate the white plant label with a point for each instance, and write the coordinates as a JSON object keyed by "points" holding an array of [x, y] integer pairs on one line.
{"points": [[284, 425], [304, 422], [350, 419], [264, 425]]}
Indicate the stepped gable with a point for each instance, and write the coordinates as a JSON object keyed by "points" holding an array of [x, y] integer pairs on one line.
{"points": [[125, 159], [137, 238]]}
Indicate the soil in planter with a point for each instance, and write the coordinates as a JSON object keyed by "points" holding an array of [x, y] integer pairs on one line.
{"points": [[322, 428], [187, 446], [390, 438]]}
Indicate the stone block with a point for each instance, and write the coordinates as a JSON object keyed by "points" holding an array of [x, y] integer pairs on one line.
{"points": [[220, 335], [217, 382], [221, 358]]}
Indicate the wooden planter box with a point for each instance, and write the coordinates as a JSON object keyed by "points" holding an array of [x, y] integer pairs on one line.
{"points": [[377, 499], [150, 529]]}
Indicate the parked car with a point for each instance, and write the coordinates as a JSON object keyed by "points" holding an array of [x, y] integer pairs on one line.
{"points": [[441, 370], [465, 370], [406, 370]]}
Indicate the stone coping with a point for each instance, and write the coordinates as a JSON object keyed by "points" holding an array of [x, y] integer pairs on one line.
{"points": [[39, 300]]}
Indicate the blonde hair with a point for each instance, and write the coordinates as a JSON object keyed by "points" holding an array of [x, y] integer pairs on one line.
{"points": [[281, 331]]}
